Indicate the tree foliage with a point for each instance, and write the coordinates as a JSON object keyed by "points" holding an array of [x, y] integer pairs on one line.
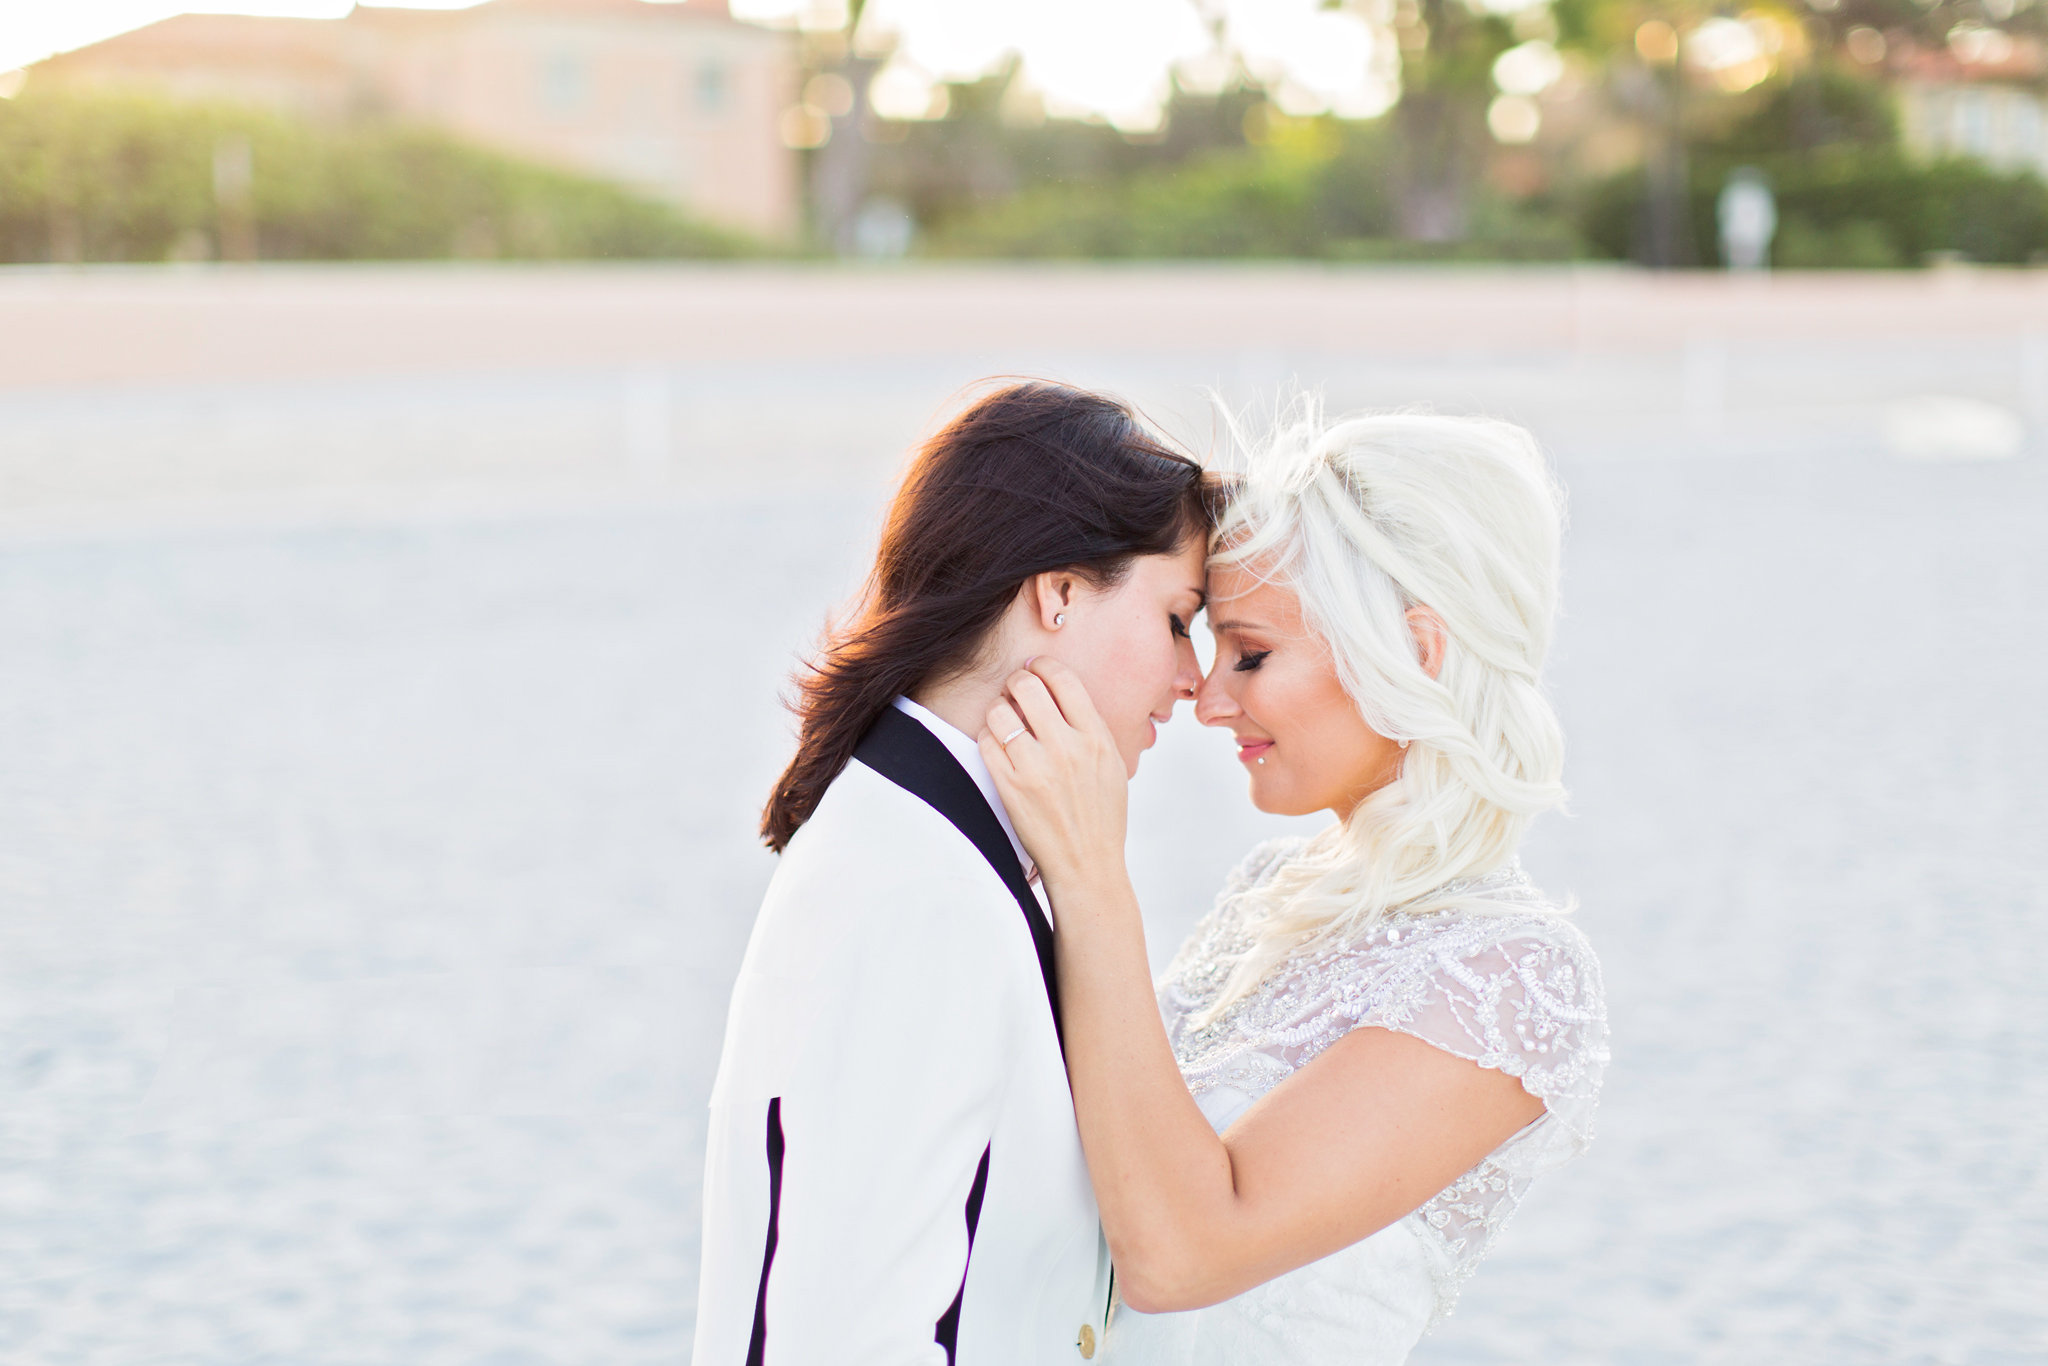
{"points": [[1856, 208], [128, 177], [1313, 188], [1848, 195]]}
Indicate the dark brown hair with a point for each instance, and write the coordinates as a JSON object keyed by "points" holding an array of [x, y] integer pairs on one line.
{"points": [[1032, 478]]}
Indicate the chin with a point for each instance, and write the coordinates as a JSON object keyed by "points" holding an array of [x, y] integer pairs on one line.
{"points": [[1133, 751], [1276, 804]]}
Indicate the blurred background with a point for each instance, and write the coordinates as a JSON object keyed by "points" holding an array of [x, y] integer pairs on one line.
{"points": [[429, 438], [1868, 133]]}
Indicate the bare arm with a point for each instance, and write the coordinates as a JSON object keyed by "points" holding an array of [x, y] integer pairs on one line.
{"points": [[1343, 1148]]}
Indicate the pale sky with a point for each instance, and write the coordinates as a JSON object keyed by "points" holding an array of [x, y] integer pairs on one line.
{"points": [[1106, 56]]}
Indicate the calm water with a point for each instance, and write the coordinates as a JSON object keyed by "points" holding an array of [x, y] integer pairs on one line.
{"points": [[372, 888]]}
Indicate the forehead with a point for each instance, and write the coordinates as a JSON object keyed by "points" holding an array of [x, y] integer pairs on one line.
{"points": [[1238, 594], [1179, 572]]}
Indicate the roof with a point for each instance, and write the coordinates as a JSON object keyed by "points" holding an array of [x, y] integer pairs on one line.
{"points": [[2014, 59], [183, 37], [657, 10]]}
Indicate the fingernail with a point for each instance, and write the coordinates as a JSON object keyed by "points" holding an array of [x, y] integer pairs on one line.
{"points": [[1027, 663]]}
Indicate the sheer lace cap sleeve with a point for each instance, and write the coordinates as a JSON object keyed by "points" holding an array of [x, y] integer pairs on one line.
{"points": [[1522, 995], [1511, 985]]}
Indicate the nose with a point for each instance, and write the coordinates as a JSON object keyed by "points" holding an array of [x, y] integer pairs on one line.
{"points": [[1214, 706], [1187, 671]]}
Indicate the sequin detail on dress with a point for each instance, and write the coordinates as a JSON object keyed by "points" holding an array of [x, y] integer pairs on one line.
{"points": [[1509, 984]]}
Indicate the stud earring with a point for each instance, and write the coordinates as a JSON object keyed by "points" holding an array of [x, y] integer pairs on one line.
{"points": [[1060, 619]]}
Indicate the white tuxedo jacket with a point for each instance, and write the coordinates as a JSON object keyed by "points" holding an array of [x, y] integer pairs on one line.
{"points": [[892, 1174]]}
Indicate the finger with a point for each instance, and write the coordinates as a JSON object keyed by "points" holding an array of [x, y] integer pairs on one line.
{"points": [[1004, 723], [1029, 695], [1068, 693], [996, 757]]}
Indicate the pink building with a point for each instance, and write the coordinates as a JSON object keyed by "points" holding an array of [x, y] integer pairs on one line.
{"points": [[676, 99]]}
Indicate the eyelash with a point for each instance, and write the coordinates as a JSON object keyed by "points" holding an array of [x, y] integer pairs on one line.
{"points": [[1246, 663], [1180, 628]]}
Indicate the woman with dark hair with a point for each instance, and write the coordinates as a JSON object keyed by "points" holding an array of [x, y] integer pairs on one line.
{"points": [[892, 1171]]}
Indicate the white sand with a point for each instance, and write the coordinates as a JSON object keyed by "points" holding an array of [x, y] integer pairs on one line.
{"points": [[382, 743]]}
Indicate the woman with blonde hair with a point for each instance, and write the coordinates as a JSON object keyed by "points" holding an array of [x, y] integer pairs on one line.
{"points": [[1381, 1034]]}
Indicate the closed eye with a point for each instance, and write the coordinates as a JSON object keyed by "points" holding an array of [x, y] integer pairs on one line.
{"points": [[1180, 628], [1247, 662]]}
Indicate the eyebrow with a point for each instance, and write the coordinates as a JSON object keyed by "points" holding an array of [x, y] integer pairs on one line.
{"points": [[1216, 625]]}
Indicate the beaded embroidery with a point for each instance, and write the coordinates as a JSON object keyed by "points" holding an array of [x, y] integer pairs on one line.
{"points": [[1513, 986]]}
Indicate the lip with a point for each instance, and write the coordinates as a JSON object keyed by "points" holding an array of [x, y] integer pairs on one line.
{"points": [[1249, 751]]}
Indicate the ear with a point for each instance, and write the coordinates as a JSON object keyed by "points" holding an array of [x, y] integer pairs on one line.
{"points": [[1051, 595], [1431, 639]]}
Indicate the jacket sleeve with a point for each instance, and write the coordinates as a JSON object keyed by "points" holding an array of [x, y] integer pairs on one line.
{"points": [[862, 1078]]}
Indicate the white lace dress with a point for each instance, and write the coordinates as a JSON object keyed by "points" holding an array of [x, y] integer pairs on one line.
{"points": [[1514, 987]]}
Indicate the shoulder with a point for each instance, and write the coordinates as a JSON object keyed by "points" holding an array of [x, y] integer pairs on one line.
{"points": [[867, 823], [1262, 862], [1534, 952], [1517, 989], [877, 867], [1218, 934], [1205, 959], [1526, 934]]}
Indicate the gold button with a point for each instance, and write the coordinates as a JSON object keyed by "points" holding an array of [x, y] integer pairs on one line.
{"points": [[1086, 1342]]}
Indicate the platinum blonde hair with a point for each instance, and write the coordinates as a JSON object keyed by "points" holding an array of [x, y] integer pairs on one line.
{"points": [[1364, 520]]}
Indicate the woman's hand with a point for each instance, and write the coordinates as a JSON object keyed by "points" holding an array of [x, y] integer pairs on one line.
{"points": [[1061, 777]]}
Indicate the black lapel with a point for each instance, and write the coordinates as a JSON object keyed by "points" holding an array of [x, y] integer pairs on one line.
{"points": [[900, 749]]}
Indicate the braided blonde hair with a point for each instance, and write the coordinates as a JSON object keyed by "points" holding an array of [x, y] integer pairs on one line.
{"points": [[1364, 520]]}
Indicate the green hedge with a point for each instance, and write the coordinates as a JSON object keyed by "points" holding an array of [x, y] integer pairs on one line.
{"points": [[1321, 189], [1251, 202], [122, 177], [1851, 208]]}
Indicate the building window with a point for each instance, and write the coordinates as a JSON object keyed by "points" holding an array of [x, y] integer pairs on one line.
{"points": [[711, 85], [2026, 129], [1973, 123], [564, 82]]}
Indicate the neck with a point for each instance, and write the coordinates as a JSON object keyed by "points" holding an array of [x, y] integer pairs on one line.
{"points": [[962, 702]]}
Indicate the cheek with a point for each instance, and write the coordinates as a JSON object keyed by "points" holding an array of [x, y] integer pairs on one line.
{"points": [[1338, 728], [1314, 717], [1276, 701], [1140, 666], [1115, 667]]}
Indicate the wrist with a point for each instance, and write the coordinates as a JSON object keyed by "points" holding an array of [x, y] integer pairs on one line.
{"points": [[1087, 886]]}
